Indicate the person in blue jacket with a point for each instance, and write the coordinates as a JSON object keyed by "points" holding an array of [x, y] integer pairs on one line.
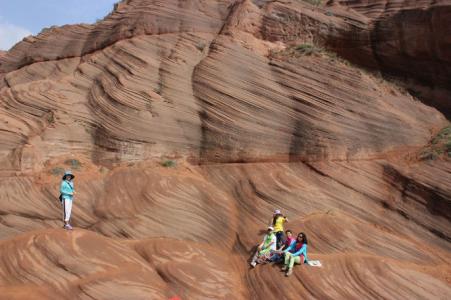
{"points": [[295, 253], [67, 196]]}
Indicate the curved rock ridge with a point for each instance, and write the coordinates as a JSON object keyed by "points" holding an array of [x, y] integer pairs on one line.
{"points": [[138, 98], [129, 19], [188, 122], [178, 91], [401, 36], [165, 238], [409, 39], [65, 260], [406, 37]]}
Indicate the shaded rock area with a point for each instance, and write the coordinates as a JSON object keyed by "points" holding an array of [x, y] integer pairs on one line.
{"points": [[188, 122]]}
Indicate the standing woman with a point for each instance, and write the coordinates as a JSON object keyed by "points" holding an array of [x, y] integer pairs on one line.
{"points": [[277, 222], [67, 196]]}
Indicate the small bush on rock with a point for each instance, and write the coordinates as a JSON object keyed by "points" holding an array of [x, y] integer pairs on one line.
{"points": [[73, 163], [313, 2], [57, 171], [169, 163], [440, 144]]}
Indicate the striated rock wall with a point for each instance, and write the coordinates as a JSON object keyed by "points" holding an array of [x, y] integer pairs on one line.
{"points": [[409, 39], [156, 232], [181, 94], [129, 19]]}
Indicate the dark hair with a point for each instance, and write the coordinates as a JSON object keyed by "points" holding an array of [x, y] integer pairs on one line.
{"points": [[274, 219], [289, 230], [304, 238]]}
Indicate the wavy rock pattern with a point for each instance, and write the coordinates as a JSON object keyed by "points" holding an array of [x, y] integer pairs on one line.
{"points": [[408, 38], [252, 125]]}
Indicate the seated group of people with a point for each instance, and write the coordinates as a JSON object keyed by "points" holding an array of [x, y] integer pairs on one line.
{"points": [[276, 248]]}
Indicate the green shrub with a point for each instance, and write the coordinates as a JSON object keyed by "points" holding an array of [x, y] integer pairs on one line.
{"points": [[313, 2], [57, 171], [333, 56], [169, 163], [429, 154], [51, 118], [200, 46], [448, 146], [159, 88], [414, 93], [440, 144], [308, 49], [329, 13], [73, 163], [445, 132]]}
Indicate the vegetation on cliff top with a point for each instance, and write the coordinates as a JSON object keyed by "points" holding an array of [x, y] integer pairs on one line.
{"points": [[440, 145]]}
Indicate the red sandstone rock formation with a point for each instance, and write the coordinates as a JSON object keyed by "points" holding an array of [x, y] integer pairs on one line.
{"points": [[256, 119]]}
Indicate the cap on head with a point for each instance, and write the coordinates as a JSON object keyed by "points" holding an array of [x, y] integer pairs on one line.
{"points": [[68, 173], [270, 228], [277, 211]]}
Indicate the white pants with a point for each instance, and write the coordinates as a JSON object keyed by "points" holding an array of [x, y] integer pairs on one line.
{"points": [[67, 208]]}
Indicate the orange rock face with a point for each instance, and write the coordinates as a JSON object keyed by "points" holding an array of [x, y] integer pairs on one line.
{"points": [[188, 122]]}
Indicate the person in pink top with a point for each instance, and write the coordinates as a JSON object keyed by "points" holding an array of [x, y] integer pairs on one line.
{"points": [[279, 254]]}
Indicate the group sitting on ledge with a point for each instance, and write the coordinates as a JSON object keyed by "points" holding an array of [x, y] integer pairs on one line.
{"points": [[274, 248]]}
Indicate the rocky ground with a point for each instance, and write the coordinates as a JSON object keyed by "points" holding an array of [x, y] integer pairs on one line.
{"points": [[188, 122]]}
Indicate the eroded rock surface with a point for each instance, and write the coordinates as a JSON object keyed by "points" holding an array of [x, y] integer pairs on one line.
{"points": [[252, 114]]}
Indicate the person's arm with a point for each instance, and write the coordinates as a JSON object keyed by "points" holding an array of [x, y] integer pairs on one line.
{"points": [[285, 246], [260, 246], [269, 245], [301, 251], [273, 241], [289, 248]]}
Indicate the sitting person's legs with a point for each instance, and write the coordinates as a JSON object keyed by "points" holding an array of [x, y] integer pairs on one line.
{"points": [[294, 260], [254, 258], [286, 261]]}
